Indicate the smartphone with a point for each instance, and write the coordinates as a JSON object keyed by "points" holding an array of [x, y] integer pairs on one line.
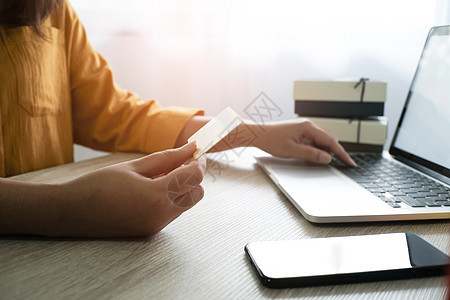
{"points": [[336, 260]]}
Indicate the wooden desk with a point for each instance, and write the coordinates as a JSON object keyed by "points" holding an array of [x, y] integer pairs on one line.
{"points": [[198, 256]]}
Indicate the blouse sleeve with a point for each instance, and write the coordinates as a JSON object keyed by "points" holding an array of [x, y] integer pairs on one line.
{"points": [[106, 117]]}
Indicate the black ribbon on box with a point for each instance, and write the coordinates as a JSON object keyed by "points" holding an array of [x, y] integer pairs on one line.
{"points": [[362, 81], [363, 89], [358, 131]]}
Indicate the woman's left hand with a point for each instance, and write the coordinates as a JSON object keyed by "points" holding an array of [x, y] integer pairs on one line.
{"points": [[300, 139]]}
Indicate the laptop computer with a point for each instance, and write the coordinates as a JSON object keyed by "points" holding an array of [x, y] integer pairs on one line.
{"points": [[420, 149]]}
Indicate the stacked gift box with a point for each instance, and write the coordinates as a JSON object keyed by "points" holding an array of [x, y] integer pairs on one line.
{"points": [[350, 109]]}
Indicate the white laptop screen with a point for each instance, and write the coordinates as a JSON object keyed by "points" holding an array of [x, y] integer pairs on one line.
{"points": [[424, 128]]}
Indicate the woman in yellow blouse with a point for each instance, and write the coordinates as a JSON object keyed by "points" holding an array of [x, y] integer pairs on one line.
{"points": [[56, 90]]}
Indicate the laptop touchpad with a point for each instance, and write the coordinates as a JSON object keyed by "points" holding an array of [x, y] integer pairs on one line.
{"points": [[320, 190]]}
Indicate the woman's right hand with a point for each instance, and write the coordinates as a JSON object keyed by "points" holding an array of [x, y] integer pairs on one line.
{"points": [[135, 198]]}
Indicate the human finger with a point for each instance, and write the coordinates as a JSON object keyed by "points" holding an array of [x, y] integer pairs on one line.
{"points": [[164, 161], [326, 140], [184, 180], [311, 153], [189, 199]]}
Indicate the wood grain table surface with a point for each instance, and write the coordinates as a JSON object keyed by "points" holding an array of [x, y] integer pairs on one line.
{"points": [[201, 254]]}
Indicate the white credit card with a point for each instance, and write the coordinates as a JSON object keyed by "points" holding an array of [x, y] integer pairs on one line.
{"points": [[215, 130]]}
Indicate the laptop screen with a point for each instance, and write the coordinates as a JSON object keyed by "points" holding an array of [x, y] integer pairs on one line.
{"points": [[423, 133]]}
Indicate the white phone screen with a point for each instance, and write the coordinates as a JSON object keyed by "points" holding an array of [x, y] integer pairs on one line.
{"points": [[336, 255]]}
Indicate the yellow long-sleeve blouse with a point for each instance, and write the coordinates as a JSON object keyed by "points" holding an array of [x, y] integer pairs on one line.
{"points": [[57, 90]]}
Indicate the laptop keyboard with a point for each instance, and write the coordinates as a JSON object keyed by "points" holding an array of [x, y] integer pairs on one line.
{"points": [[393, 183]]}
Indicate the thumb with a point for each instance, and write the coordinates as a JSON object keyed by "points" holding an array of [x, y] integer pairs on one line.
{"points": [[313, 154], [165, 161]]}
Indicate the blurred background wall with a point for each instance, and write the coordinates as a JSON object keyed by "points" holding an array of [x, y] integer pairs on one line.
{"points": [[215, 53]]}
